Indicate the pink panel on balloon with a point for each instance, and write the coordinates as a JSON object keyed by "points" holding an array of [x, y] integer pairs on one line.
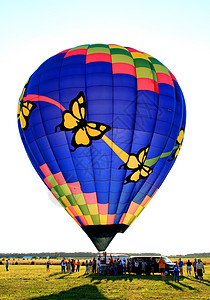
{"points": [[90, 198], [45, 170], [132, 208], [144, 202], [103, 208], [59, 178], [75, 187], [110, 219]]}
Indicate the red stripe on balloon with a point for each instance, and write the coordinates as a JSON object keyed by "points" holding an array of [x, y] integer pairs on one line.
{"points": [[146, 84], [122, 68], [95, 57], [38, 98], [76, 52], [172, 76], [164, 78], [64, 51]]}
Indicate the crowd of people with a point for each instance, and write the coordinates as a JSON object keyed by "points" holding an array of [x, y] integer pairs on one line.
{"points": [[123, 267], [198, 268], [70, 265]]}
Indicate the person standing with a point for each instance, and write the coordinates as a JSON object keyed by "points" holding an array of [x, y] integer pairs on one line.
{"points": [[90, 266], [152, 263], [7, 265], [176, 272], [137, 267], [78, 265], [124, 266], [72, 265], [129, 266], [68, 266], [48, 265], [115, 267], [98, 265], [63, 266], [162, 267], [181, 267], [120, 267], [144, 266], [94, 265], [86, 267], [194, 267], [200, 270], [189, 267]]}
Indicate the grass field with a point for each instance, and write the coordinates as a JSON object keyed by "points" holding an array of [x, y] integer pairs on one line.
{"points": [[34, 282]]}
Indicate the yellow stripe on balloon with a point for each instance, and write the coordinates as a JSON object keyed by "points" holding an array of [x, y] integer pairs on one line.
{"points": [[122, 154]]}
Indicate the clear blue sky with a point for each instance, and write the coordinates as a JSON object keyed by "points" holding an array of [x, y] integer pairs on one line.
{"points": [[175, 32]]}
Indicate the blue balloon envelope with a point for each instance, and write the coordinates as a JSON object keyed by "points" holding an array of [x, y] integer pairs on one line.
{"points": [[102, 125]]}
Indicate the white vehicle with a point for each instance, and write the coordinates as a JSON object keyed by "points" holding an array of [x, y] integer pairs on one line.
{"points": [[114, 256]]}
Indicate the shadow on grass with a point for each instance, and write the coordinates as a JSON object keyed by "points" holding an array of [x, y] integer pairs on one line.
{"points": [[176, 287], [96, 278], [206, 282], [87, 292], [62, 275], [179, 286]]}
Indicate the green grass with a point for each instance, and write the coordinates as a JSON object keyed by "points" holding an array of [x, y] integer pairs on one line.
{"points": [[34, 282]]}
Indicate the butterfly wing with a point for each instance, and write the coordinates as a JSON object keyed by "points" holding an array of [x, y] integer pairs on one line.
{"points": [[133, 177], [76, 114], [180, 136], [92, 131], [145, 171], [77, 107], [179, 142], [132, 162], [80, 138], [96, 130], [26, 109], [142, 154]]}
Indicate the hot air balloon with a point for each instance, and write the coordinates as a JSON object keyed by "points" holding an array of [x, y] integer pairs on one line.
{"points": [[102, 125]]}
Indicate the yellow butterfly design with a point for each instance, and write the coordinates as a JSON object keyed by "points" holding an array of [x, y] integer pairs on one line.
{"points": [[136, 164], [179, 143], [24, 109], [74, 120]]}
